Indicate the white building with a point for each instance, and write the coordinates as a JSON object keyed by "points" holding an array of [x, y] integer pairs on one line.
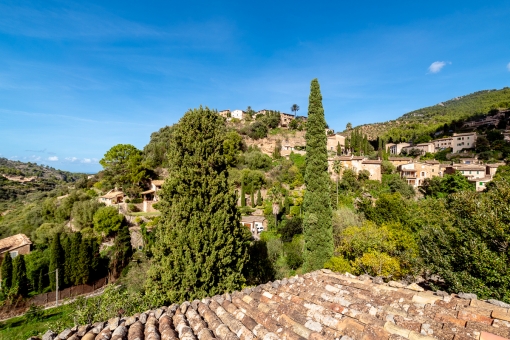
{"points": [[463, 141], [239, 114]]}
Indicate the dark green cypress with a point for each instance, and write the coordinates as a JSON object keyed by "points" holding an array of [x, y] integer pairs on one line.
{"points": [[317, 223], [83, 263], [259, 198], [74, 257], [57, 260], [201, 247], [40, 282], [7, 272], [252, 199], [243, 195], [122, 251], [19, 276], [68, 264], [95, 260]]}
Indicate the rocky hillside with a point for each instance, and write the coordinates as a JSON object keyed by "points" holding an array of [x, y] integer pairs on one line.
{"points": [[429, 119]]}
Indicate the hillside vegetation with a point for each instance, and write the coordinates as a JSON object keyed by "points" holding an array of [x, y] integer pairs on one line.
{"points": [[429, 119]]}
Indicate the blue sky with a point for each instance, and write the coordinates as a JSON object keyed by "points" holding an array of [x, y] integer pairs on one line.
{"points": [[77, 78]]}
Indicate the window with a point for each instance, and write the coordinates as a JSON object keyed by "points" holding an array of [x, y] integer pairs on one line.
{"points": [[481, 183], [477, 172], [13, 253]]}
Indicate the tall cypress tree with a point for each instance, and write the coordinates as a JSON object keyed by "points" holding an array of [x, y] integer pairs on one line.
{"points": [[68, 263], [74, 258], [259, 198], [122, 251], [19, 276], [7, 272], [317, 223], [243, 194], [57, 260], [201, 247], [252, 198], [83, 263]]}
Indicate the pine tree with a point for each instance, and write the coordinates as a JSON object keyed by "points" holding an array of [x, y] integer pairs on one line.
{"points": [[19, 276], [7, 272], [201, 247], [243, 195], [317, 223], [259, 198], [57, 260]]}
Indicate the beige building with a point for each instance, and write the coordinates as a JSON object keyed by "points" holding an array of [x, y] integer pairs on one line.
{"points": [[333, 142], [15, 245], [443, 143], [357, 164], [151, 196], [463, 141], [285, 119], [396, 161], [415, 173], [112, 197], [224, 113], [423, 147], [396, 149]]}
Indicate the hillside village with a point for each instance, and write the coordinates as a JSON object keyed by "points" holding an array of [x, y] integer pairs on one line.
{"points": [[113, 217]]}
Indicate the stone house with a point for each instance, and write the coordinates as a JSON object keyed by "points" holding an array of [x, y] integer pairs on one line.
{"points": [[285, 119], [255, 223], [333, 142], [415, 173], [396, 149], [463, 141], [112, 197], [151, 196], [443, 143], [357, 164], [15, 245], [396, 161], [423, 147], [224, 113]]}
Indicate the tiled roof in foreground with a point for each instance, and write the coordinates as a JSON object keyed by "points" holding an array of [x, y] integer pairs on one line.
{"points": [[318, 305]]}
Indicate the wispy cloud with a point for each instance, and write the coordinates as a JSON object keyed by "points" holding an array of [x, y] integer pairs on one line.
{"points": [[86, 160], [508, 67], [437, 66], [71, 159], [53, 158]]}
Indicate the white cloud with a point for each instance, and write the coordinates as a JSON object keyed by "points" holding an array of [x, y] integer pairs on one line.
{"points": [[71, 159], [436, 66], [508, 66], [53, 158], [86, 160]]}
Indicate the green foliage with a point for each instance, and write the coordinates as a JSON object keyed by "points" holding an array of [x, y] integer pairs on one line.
{"points": [[243, 195], [294, 252], [396, 184], [318, 233], [155, 153], [107, 220], [290, 228], [83, 213], [201, 247], [338, 264], [123, 167], [446, 185], [256, 160], [34, 312], [468, 246], [257, 130], [259, 269], [232, 147], [378, 264], [259, 199], [6, 272], [388, 208], [46, 232]]}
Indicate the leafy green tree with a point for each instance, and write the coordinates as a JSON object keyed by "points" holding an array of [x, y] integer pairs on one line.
{"points": [[19, 276], [57, 261], [123, 167], [83, 213], [107, 220], [252, 199], [468, 246], [7, 272], [201, 247], [348, 126], [446, 185], [482, 144], [155, 153], [317, 224], [232, 146]]}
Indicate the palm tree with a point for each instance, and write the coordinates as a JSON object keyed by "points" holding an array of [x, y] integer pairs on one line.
{"points": [[294, 108], [337, 168]]}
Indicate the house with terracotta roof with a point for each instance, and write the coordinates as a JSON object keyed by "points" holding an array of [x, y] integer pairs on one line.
{"points": [[415, 173], [357, 164], [396, 161], [112, 197], [15, 245], [422, 147], [334, 141], [396, 149], [151, 196]]}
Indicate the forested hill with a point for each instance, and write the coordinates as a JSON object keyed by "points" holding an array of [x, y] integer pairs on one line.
{"points": [[429, 119], [14, 173]]}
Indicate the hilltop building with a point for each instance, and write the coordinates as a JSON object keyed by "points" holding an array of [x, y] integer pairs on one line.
{"points": [[357, 164], [112, 197], [333, 142], [151, 196]]}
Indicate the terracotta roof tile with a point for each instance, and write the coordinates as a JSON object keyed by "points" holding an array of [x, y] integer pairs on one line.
{"points": [[13, 242], [316, 306]]}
